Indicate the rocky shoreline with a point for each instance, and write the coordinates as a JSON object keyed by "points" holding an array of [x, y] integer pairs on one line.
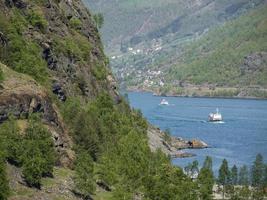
{"points": [[170, 145]]}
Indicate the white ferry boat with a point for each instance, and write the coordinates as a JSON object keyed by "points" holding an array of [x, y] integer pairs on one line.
{"points": [[215, 117], [164, 102]]}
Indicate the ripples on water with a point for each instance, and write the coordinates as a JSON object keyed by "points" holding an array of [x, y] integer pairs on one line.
{"points": [[241, 135]]}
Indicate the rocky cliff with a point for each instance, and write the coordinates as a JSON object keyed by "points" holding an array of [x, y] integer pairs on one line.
{"points": [[50, 51], [75, 64]]}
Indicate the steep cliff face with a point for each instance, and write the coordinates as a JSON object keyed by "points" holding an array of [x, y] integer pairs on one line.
{"points": [[66, 39]]}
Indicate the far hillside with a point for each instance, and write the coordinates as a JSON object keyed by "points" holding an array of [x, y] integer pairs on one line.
{"points": [[136, 23], [229, 60]]}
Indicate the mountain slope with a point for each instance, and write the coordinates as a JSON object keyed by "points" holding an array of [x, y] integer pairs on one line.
{"points": [[161, 19], [229, 60]]}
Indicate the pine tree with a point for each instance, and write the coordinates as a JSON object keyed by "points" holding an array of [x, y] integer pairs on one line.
{"points": [[234, 175], [205, 180], [243, 176], [257, 171], [208, 163], [224, 175]]}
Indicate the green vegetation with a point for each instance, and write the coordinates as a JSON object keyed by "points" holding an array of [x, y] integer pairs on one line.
{"points": [[22, 54], [99, 20], [39, 156], [75, 46], [135, 21], [32, 150], [115, 137], [224, 175], [243, 176], [4, 187], [75, 23], [219, 55], [205, 180], [84, 181], [230, 57], [36, 19]]}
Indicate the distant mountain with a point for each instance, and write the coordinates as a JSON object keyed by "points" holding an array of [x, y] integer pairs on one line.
{"points": [[131, 22], [203, 48], [230, 60]]}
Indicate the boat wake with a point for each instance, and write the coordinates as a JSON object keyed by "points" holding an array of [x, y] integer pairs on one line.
{"points": [[218, 122], [166, 104]]}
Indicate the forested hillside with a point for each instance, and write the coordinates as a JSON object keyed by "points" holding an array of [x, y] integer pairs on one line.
{"points": [[229, 60]]}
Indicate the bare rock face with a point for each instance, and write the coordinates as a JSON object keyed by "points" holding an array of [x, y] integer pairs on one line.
{"points": [[20, 96], [254, 62], [173, 146]]}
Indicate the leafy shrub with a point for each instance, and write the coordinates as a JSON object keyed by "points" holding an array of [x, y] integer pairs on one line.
{"points": [[34, 150], [99, 20], [9, 134], [39, 152], [84, 172], [36, 19], [99, 72], [75, 46], [22, 55], [75, 23], [33, 163]]}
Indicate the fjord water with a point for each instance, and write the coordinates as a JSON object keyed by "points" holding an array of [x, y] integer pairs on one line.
{"points": [[242, 135]]}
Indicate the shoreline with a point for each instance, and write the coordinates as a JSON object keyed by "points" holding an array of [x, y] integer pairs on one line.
{"points": [[173, 146], [197, 96]]}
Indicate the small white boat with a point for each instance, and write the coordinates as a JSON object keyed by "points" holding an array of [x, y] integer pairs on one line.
{"points": [[215, 117], [164, 102]]}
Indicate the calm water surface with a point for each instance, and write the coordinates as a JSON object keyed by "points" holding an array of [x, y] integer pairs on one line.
{"points": [[242, 135]]}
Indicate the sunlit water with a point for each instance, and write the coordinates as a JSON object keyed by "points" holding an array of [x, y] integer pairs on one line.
{"points": [[241, 135]]}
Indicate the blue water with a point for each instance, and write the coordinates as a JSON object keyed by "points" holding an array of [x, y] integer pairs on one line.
{"points": [[242, 135]]}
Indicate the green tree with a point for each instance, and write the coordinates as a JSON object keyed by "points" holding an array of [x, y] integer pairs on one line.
{"points": [[224, 174], [39, 155], [243, 176], [41, 139], [4, 187], [205, 180], [99, 20], [208, 163], [257, 171], [33, 164], [84, 174], [9, 133], [234, 175]]}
